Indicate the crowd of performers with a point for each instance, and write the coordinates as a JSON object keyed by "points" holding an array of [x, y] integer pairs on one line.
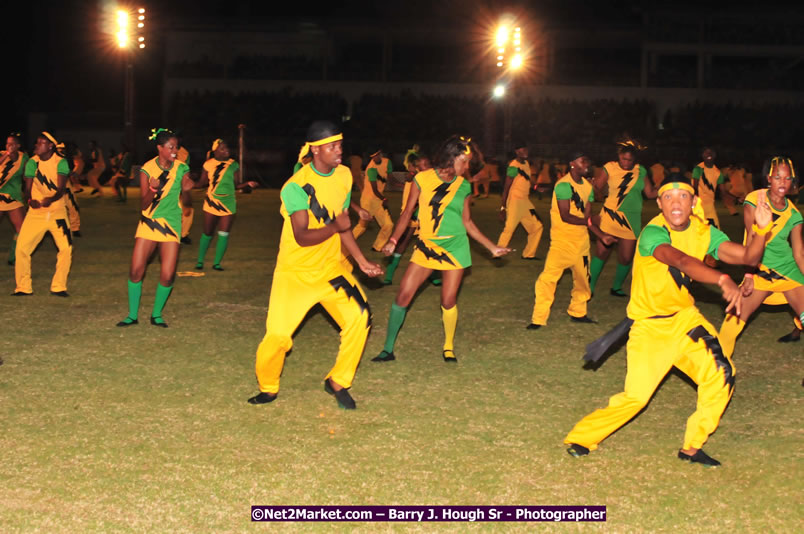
{"points": [[318, 250]]}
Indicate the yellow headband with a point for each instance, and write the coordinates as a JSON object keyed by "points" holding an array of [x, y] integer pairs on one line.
{"points": [[677, 185], [50, 138], [779, 160], [468, 141], [216, 143], [306, 147]]}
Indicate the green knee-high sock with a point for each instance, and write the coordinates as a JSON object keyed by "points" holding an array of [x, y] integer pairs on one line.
{"points": [[594, 270], [134, 294], [619, 276], [203, 246], [389, 272], [12, 252], [162, 294], [395, 320], [220, 246]]}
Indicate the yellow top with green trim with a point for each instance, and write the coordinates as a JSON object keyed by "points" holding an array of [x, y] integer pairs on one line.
{"points": [[441, 205], [378, 172], [710, 178], [625, 187], [45, 176], [579, 196], [324, 196], [778, 256], [11, 178], [520, 173]]}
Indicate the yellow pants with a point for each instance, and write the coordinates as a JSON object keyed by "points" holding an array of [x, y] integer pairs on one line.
{"points": [[38, 222], [383, 218], [292, 296], [710, 213], [687, 341], [186, 220], [73, 213], [521, 211], [563, 254]]}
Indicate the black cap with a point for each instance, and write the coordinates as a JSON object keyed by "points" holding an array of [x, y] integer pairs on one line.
{"points": [[576, 154]]}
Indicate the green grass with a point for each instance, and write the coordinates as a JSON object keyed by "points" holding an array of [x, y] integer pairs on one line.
{"points": [[147, 429]]}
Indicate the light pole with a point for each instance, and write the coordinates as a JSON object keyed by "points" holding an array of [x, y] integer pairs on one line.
{"points": [[509, 61], [125, 43]]}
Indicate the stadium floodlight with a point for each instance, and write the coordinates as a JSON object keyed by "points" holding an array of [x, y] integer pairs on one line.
{"points": [[516, 62], [122, 28], [499, 91], [502, 35]]}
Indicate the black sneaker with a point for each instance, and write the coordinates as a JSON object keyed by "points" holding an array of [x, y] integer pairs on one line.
{"points": [[584, 319], [21, 294], [128, 321], [576, 451], [60, 293], [533, 326], [262, 398], [792, 337], [699, 457], [217, 267], [384, 357], [186, 240], [345, 400], [617, 293]]}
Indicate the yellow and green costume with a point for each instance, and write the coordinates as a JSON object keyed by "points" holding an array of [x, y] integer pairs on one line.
{"points": [[569, 249], [442, 243], [777, 271], [306, 276], [378, 173], [667, 331], [519, 210], [38, 221], [187, 211], [708, 180], [621, 215], [161, 221], [11, 182], [220, 199]]}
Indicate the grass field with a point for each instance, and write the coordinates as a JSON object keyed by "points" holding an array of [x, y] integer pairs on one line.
{"points": [[148, 430]]}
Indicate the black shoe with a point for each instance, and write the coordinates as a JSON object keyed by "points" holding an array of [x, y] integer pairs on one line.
{"points": [[158, 321], [699, 457], [60, 293], [792, 337], [384, 357], [576, 451], [186, 240], [451, 358], [345, 400], [262, 398], [199, 266], [617, 293], [21, 294], [534, 258], [217, 267], [128, 321], [584, 319], [11, 263], [533, 326], [77, 233]]}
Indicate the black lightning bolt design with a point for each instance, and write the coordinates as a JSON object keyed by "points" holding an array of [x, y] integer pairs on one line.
{"points": [[380, 178], [6, 171], [432, 254], [215, 205], [217, 175], [352, 292], [622, 221], [576, 199], [163, 178], [586, 268], [45, 182], [523, 174], [681, 279], [156, 227], [713, 345], [706, 182], [770, 275], [775, 216], [7, 200], [621, 189], [320, 212], [435, 202], [533, 212], [72, 199], [61, 223]]}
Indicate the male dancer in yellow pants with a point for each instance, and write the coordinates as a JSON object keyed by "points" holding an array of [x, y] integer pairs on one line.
{"points": [[373, 200], [667, 329], [516, 209], [569, 244], [309, 270], [45, 182]]}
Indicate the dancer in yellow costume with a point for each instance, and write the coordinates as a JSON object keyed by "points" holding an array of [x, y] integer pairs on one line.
{"points": [[666, 329], [12, 167], [309, 270], [621, 215], [708, 179], [373, 199], [98, 166], [780, 272], [570, 215], [70, 199], [516, 208], [442, 197], [222, 174], [122, 174], [46, 176], [162, 180]]}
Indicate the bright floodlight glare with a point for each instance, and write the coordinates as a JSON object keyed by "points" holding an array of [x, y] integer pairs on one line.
{"points": [[140, 25], [502, 35], [141, 10], [142, 45], [122, 18], [499, 91], [141, 17], [140, 39], [122, 39], [499, 64], [516, 61]]}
